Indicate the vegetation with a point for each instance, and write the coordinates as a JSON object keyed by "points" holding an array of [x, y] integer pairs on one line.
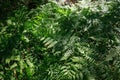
{"points": [[54, 42]]}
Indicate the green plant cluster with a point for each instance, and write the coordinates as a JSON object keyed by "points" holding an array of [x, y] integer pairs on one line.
{"points": [[8, 6], [61, 43]]}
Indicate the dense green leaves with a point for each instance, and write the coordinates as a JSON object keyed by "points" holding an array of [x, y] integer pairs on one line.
{"points": [[55, 42]]}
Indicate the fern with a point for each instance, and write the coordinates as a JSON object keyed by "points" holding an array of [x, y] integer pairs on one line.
{"points": [[62, 43]]}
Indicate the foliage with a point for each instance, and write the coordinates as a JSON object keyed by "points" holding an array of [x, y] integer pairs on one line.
{"points": [[61, 43], [8, 6]]}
